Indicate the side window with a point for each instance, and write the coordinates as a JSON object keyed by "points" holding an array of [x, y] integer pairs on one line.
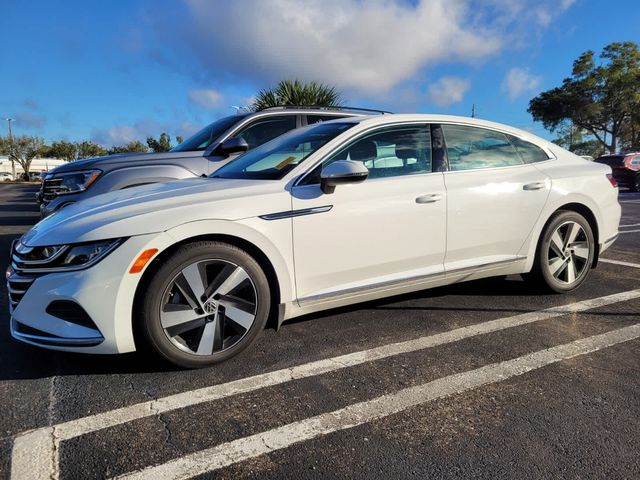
{"points": [[261, 131], [391, 152], [470, 148], [311, 119], [529, 152]]}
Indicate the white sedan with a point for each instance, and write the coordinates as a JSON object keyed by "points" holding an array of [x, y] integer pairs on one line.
{"points": [[329, 215]]}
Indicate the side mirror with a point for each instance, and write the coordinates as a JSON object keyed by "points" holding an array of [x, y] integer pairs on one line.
{"points": [[342, 172], [232, 145]]}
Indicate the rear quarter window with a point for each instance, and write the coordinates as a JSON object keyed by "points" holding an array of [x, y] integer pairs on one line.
{"points": [[529, 152]]}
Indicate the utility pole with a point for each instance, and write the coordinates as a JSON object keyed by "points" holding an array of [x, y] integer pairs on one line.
{"points": [[11, 156], [473, 111]]}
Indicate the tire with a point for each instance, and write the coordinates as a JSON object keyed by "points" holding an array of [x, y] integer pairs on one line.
{"points": [[565, 252], [204, 304], [635, 187]]}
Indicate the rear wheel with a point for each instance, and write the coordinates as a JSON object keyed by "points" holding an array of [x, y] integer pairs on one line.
{"points": [[205, 304], [636, 183], [565, 253]]}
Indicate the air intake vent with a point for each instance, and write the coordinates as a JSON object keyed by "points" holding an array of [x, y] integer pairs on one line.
{"points": [[70, 312]]}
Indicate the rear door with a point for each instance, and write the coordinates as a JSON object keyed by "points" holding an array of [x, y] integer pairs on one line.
{"points": [[494, 198]]}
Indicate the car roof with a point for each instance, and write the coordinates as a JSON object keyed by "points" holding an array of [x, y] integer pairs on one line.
{"points": [[388, 119]]}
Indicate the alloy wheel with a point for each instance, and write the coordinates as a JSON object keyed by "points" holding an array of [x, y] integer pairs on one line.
{"points": [[569, 253], [208, 307]]}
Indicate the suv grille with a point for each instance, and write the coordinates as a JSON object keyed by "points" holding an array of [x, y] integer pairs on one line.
{"points": [[51, 188]]}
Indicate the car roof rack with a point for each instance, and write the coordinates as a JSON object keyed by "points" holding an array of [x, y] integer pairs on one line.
{"points": [[337, 108]]}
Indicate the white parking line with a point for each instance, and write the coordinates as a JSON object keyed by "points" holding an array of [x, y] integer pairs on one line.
{"points": [[48, 438], [628, 231], [360, 413], [632, 225], [618, 262]]}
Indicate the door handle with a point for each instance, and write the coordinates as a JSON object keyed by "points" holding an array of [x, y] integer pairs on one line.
{"points": [[430, 198], [533, 186]]}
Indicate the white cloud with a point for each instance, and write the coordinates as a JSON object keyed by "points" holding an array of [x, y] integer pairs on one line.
{"points": [[141, 129], [365, 48], [519, 81], [565, 4], [207, 98], [117, 135], [448, 90], [359, 46]]}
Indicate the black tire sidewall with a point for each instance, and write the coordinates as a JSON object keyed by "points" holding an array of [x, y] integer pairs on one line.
{"points": [[543, 254], [149, 314]]}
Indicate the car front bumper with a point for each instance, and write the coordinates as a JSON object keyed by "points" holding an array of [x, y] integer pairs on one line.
{"points": [[105, 292]]}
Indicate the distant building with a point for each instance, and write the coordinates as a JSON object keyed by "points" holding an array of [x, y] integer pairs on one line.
{"points": [[37, 164]]}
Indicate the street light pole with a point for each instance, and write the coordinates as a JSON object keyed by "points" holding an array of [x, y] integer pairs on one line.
{"points": [[13, 165]]}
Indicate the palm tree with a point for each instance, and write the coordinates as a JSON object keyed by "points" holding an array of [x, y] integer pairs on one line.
{"points": [[295, 92]]}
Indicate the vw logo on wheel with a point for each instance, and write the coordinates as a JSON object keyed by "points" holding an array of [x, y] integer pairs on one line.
{"points": [[210, 307]]}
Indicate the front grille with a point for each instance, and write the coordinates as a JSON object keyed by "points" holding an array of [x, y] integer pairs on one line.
{"points": [[52, 188], [17, 286], [20, 276]]}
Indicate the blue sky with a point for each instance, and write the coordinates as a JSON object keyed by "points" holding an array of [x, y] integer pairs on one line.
{"points": [[124, 69]]}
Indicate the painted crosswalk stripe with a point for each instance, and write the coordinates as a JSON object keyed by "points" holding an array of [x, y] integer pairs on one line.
{"points": [[364, 412], [37, 440]]}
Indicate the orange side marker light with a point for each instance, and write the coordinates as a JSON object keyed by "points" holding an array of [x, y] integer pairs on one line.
{"points": [[142, 260]]}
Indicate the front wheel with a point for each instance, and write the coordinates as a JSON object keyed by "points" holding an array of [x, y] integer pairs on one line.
{"points": [[205, 304], [565, 253]]}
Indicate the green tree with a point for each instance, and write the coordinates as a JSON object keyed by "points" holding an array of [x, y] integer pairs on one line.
{"points": [[135, 146], [64, 150], [23, 149], [295, 92], [578, 141], [601, 98], [163, 144], [87, 149]]}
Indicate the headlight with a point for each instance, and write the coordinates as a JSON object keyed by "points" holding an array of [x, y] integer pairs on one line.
{"points": [[88, 253], [73, 182], [61, 257]]}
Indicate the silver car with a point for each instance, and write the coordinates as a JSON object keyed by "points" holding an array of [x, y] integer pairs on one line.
{"points": [[200, 155]]}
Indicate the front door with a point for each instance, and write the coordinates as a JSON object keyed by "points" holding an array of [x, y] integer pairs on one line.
{"points": [[389, 228]]}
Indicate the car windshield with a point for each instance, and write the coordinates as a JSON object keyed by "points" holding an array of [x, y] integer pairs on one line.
{"points": [[276, 158], [208, 135]]}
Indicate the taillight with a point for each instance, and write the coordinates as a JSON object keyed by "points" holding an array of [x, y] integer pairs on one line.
{"points": [[612, 180]]}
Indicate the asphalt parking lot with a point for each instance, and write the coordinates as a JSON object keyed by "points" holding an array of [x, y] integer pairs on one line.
{"points": [[488, 379]]}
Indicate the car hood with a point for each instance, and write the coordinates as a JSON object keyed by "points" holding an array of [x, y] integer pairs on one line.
{"points": [[158, 207], [128, 158]]}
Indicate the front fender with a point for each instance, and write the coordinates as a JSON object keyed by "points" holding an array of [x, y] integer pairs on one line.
{"points": [[276, 244]]}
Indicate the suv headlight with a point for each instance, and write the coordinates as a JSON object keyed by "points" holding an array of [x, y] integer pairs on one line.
{"points": [[73, 182], [62, 257]]}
